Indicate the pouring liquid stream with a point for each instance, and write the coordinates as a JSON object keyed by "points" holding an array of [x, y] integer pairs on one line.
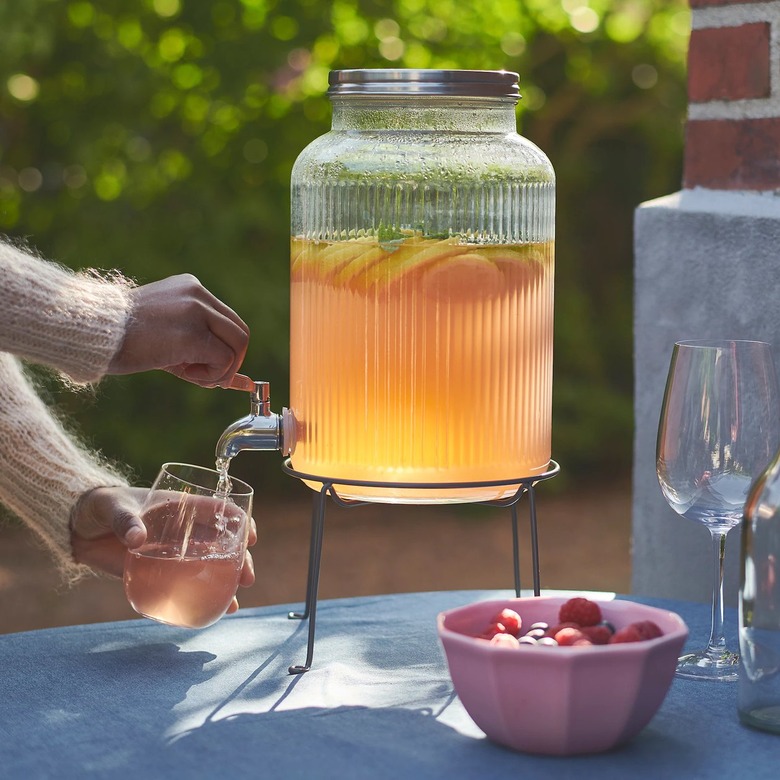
{"points": [[222, 492], [224, 487]]}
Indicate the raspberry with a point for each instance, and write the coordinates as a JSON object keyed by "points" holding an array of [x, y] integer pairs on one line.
{"points": [[572, 637], [553, 630], [494, 628], [580, 610], [599, 635], [504, 640], [510, 620], [648, 629], [637, 632], [626, 634]]}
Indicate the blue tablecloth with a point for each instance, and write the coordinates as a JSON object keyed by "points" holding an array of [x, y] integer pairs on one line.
{"points": [[137, 699]]}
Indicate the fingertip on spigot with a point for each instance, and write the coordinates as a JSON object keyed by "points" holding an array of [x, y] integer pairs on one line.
{"points": [[242, 382]]}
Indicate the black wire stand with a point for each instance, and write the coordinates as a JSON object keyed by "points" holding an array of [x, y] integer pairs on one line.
{"points": [[525, 485]]}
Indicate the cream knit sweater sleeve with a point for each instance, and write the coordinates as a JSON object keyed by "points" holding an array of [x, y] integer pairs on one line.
{"points": [[74, 322]]}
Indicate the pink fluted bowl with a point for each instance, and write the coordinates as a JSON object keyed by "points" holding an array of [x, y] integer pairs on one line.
{"points": [[560, 700]]}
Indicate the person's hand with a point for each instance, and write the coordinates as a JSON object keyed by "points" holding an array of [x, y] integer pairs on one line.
{"points": [[105, 523], [178, 326]]}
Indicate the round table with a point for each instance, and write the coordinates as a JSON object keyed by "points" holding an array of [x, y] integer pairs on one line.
{"points": [[142, 700]]}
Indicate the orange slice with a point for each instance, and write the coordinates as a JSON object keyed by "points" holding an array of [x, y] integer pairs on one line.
{"points": [[465, 277], [520, 269], [411, 257]]}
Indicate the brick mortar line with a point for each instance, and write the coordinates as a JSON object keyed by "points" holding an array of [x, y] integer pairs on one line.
{"points": [[766, 108], [732, 16]]}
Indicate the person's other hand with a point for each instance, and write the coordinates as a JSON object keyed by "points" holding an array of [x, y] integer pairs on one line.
{"points": [[178, 326], [106, 523]]}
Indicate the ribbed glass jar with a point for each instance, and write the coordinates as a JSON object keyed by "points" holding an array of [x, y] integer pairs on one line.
{"points": [[422, 288]]}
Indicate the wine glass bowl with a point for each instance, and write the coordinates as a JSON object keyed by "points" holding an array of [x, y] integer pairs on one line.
{"points": [[717, 432]]}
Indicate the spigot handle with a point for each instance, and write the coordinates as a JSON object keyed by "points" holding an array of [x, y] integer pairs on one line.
{"points": [[260, 399]]}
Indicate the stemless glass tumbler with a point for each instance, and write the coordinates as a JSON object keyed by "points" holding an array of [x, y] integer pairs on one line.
{"points": [[188, 570], [422, 288]]}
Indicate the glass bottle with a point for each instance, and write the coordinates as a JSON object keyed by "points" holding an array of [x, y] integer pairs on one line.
{"points": [[422, 288], [759, 604]]}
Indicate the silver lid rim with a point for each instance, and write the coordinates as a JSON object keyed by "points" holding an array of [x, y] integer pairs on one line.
{"points": [[410, 82]]}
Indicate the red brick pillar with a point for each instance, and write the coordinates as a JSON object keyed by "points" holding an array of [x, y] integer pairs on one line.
{"points": [[733, 132]]}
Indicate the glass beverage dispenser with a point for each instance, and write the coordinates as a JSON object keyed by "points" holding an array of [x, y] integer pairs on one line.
{"points": [[422, 258]]}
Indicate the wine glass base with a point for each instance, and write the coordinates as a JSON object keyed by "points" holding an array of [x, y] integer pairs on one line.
{"points": [[703, 665]]}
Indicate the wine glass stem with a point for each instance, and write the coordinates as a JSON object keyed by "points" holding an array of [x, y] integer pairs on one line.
{"points": [[716, 647]]}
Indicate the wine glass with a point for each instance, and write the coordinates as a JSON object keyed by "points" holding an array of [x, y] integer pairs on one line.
{"points": [[188, 570], [719, 429]]}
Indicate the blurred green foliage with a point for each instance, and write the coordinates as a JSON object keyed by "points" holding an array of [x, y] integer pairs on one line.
{"points": [[157, 136]]}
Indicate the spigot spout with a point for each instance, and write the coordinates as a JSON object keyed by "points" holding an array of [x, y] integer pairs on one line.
{"points": [[261, 429]]}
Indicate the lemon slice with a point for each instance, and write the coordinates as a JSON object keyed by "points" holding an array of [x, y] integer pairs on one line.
{"points": [[335, 256], [297, 248], [325, 258], [362, 262]]}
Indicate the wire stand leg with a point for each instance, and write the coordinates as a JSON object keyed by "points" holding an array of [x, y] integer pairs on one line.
{"points": [[534, 539], [316, 499], [313, 578], [515, 550]]}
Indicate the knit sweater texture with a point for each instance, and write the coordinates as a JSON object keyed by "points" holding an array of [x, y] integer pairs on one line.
{"points": [[74, 323]]}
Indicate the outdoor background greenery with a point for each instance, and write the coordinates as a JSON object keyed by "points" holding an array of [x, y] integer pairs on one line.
{"points": [[157, 137]]}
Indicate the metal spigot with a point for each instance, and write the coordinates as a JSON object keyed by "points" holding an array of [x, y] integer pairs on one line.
{"points": [[261, 429]]}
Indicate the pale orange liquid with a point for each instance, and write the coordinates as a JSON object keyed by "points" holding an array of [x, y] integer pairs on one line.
{"points": [[421, 361], [191, 591]]}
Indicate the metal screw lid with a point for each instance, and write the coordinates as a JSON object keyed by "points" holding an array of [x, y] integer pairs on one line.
{"points": [[387, 82]]}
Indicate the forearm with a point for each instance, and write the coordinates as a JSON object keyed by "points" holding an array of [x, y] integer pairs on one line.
{"points": [[74, 322], [43, 470]]}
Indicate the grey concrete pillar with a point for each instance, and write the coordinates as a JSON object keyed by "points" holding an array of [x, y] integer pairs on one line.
{"points": [[707, 265]]}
